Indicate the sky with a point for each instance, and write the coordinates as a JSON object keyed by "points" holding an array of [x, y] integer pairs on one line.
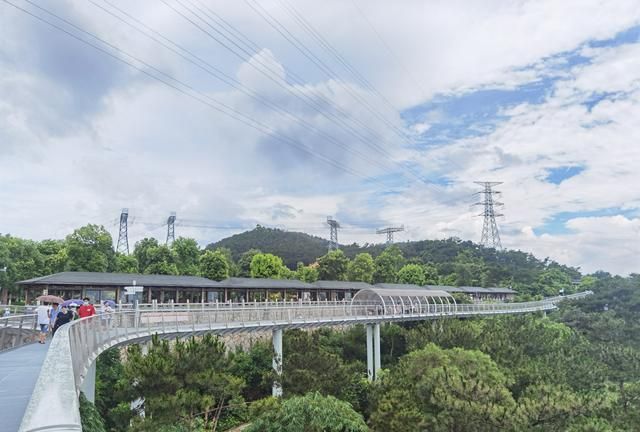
{"points": [[281, 113]]}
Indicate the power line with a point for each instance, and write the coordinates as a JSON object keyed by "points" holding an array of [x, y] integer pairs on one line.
{"points": [[388, 47], [339, 117], [227, 79], [181, 87]]}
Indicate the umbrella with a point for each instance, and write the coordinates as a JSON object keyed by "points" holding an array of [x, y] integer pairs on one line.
{"points": [[68, 303], [110, 303], [50, 299]]}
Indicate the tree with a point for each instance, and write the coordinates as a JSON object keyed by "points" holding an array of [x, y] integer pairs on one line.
{"points": [[188, 380], [444, 390], [140, 252], [125, 264], [187, 253], [244, 263], [361, 268], [388, 263], [54, 256], [213, 265], [553, 281], [226, 252], [22, 260], [310, 413], [430, 274], [89, 248], [412, 274], [470, 270], [161, 260], [333, 266], [265, 265], [306, 273]]}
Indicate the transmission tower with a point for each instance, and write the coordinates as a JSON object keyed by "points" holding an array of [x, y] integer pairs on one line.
{"points": [[333, 232], [490, 235], [389, 232], [171, 228], [123, 237]]}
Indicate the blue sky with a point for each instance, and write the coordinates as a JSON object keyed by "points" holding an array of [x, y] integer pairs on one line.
{"points": [[537, 94]]}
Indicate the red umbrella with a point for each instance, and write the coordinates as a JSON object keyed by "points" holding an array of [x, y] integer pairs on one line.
{"points": [[50, 299]]}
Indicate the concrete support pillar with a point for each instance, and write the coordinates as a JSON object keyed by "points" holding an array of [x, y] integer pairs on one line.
{"points": [[370, 367], [277, 362], [89, 383], [376, 350]]}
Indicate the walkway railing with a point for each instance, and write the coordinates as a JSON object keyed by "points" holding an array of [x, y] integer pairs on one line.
{"points": [[17, 330], [76, 345]]}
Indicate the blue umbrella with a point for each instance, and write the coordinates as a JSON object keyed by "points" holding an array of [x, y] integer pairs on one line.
{"points": [[110, 303], [68, 303]]}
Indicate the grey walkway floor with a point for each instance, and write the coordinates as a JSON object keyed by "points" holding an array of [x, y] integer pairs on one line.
{"points": [[19, 369]]}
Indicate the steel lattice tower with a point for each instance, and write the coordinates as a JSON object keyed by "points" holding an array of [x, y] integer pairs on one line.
{"points": [[389, 232], [123, 236], [171, 228], [333, 232], [490, 234]]}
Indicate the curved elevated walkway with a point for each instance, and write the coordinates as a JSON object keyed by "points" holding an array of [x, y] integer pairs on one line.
{"points": [[74, 349]]}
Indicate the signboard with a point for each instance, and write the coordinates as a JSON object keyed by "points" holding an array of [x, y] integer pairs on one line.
{"points": [[131, 290]]}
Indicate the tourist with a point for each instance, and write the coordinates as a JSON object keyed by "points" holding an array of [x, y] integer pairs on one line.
{"points": [[44, 317], [64, 316], [74, 311], [106, 313], [87, 309], [53, 313]]}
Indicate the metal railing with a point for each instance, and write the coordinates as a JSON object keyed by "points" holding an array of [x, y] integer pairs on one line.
{"points": [[17, 330], [76, 345]]}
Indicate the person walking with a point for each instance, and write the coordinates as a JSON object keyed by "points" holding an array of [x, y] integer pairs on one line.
{"points": [[106, 312], [53, 313], [87, 309], [64, 316], [44, 319]]}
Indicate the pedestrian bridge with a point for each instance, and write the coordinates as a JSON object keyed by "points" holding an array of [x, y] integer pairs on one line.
{"points": [[69, 364]]}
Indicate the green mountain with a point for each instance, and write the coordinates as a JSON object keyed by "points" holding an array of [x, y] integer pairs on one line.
{"points": [[451, 257], [292, 247]]}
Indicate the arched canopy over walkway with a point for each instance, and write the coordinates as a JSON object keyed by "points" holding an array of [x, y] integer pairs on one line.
{"points": [[393, 301]]}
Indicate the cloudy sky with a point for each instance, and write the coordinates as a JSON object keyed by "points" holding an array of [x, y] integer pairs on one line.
{"points": [[283, 112]]}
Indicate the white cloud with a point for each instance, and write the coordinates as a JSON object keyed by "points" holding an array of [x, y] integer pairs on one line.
{"points": [[82, 136]]}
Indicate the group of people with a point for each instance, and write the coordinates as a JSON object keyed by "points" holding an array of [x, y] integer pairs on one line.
{"points": [[53, 316]]}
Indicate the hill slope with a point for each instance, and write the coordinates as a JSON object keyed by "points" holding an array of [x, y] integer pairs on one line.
{"points": [[292, 247], [506, 268]]}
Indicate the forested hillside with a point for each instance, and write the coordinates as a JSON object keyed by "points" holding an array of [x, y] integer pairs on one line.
{"points": [[271, 253]]}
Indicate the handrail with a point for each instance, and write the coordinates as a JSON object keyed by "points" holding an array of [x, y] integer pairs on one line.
{"points": [[17, 330], [76, 345]]}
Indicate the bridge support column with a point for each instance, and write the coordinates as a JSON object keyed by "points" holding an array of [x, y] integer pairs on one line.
{"points": [[373, 350], [277, 362], [89, 383], [376, 349], [370, 371]]}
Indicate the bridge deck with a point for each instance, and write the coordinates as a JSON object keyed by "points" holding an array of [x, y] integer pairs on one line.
{"points": [[19, 370]]}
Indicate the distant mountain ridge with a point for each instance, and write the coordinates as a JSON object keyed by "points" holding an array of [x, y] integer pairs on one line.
{"points": [[509, 266]]}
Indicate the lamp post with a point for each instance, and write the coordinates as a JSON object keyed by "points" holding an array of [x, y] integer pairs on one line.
{"points": [[4, 293]]}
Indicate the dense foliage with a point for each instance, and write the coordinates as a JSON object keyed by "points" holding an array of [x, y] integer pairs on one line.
{"points": [[577, 369]]}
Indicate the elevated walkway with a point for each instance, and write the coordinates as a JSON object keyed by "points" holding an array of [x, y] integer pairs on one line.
{"points": [[71, 356], [19, 370]]}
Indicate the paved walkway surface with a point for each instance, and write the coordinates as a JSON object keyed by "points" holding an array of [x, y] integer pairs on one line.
{"points": [[19, 370]]}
